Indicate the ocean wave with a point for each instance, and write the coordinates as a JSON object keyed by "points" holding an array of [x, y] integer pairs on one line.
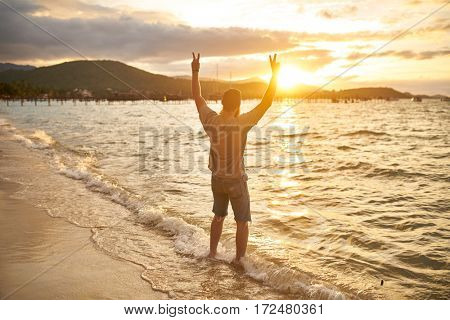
{"points": [[425, 137], [5, 125], [27, 142], [300, 134], [441, 156], [189, 239], [426, 261], [364, 133], [193, 241], [345, 148], [98, 183], [391, 199], [440, 205], [402, 173], [354, 166], [258, 143], [38, 140], [43, 138], [288, 280]]}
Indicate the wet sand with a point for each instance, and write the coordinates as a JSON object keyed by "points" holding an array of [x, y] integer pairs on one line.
{"points": [[48, 258]]}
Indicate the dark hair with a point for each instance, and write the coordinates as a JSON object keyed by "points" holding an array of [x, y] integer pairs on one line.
{"points": [[231, 101]]}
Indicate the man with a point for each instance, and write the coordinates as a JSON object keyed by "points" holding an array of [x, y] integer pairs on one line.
{"points": [[227, 132]]}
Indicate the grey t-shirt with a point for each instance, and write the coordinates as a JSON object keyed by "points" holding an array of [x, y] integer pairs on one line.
{"points": [[228, 138]]}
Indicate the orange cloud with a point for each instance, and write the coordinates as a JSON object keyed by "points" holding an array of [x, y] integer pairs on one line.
{"points": [[405, 54]]}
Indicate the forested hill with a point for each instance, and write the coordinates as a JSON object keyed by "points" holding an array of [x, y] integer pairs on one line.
{"points": [[104, 78]]}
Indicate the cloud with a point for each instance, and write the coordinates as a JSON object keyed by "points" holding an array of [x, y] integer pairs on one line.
{"points": [[440, 25], [308, 60], [67, 9], [70, 8], [339, 12], [23, 6], [431, 54], [241, 67], [423, 2], [128, 38], [154, 37], [405, 54]]}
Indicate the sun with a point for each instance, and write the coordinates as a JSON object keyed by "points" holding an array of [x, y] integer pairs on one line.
{"points": [[290, 76]]}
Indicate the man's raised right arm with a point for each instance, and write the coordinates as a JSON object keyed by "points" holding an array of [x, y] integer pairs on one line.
{"points": [[252, 117]]}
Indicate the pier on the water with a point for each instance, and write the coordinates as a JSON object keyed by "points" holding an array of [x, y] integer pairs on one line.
{"points": [[90, 101], [75, 102]]}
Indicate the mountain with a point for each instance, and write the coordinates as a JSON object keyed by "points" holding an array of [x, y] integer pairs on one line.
{"points": [[91, 75], [102, 76], [252, 79], [113, 79], [372, 93], [12, 66], [188, 77]]}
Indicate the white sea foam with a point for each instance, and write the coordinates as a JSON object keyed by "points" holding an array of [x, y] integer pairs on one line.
{"points": [[44, 138], [189, 239], [97, 183], [194, 241], [38, 140], [288, 280], [27, 142], [6, 126]]}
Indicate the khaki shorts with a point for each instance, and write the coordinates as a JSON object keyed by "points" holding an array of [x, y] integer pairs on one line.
{"points": [[231, 190]]}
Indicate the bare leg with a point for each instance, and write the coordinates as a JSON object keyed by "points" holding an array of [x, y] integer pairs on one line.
{"points": [[241, 240], [216, 232]]}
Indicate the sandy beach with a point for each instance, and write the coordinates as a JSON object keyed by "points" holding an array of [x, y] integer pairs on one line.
{"points": [[42, 257]]}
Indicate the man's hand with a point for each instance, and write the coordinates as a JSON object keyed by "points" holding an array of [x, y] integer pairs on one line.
{"points": [[195, 64], [196, 88], [273, 64]]}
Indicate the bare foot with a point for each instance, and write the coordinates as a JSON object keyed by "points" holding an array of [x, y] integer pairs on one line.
{"points": [[237, 263], [212, 255]]}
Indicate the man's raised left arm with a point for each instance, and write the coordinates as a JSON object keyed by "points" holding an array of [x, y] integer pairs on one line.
{"points": [[204, 111]]}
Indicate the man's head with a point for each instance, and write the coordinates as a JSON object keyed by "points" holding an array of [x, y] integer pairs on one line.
{"points": [[231, 101]]}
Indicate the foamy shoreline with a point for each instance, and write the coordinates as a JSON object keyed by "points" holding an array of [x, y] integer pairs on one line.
{"points": [[47, 258]]}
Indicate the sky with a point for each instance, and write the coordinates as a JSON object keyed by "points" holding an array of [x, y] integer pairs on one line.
{"points": [[315, 40]]}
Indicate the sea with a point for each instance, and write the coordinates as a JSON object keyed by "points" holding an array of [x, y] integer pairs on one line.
{"points": [[348, 200]]}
